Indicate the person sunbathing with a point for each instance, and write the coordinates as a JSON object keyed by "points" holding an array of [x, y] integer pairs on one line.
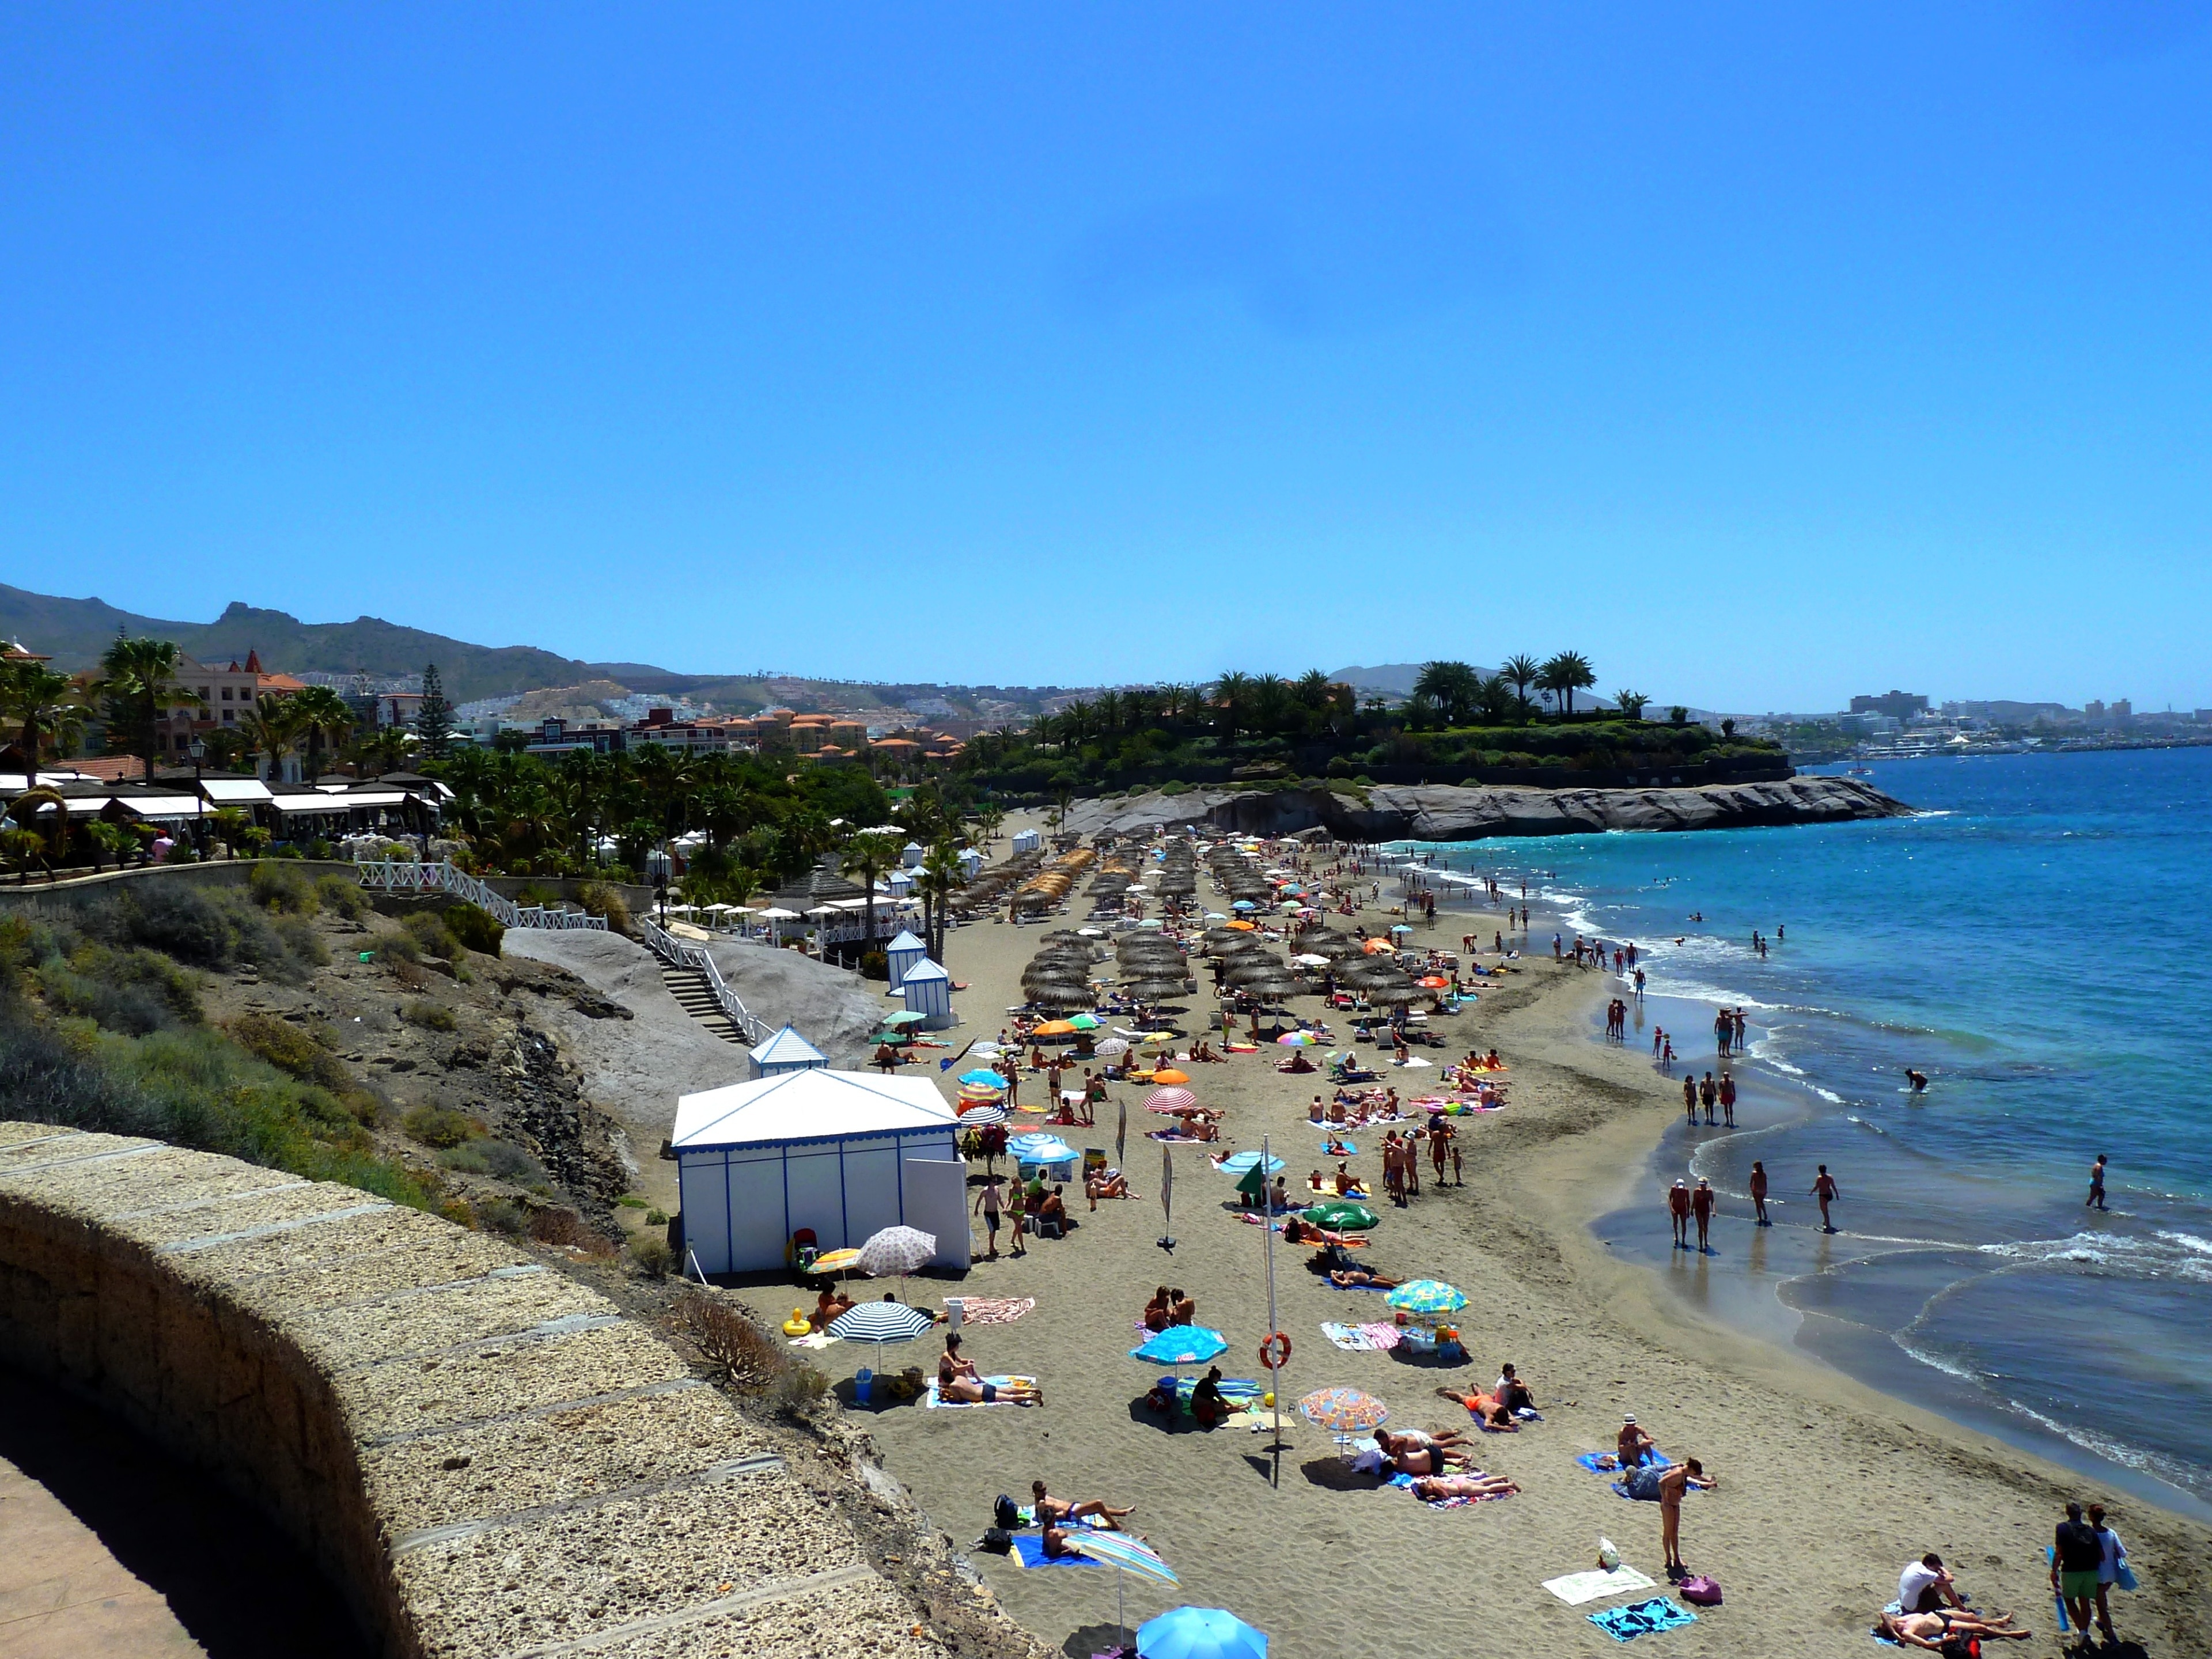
{"points": [[1632, 1446], [1297, 1065], [1427, 1460], [1206, 1404], [831, 1302], [1110, 1183], [1493, 1413], [1336, 1110], [1336, 1147], [1058, 1512], [1159, 1312], [1468, 1483], [1393, 1441], [957, 1380], [1347, 1278], [1204, 1055], [1938, 1632], [1346, 1186], [1182, 1310]]}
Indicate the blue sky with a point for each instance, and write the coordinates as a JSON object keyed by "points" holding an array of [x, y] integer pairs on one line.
{"points": [[1765, 354]]}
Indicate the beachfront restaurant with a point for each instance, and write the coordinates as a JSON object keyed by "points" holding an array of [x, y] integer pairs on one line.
{"points": [[823, 1157]]}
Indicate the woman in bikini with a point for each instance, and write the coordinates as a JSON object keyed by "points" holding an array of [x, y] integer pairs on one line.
{"points": [[1494, 1414], [956, 1380], [1936, 1631], [1468, 1483]]}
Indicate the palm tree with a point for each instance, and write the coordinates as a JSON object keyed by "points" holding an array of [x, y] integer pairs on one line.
{"points": [[25, 809], [940, 877], [1452, 686], [109, 841], [1232, 696], [1566, 673], [1311, 689], [1271, 702], [271, 729], [43, 705], [1630, 704], [863, 857], [323, 717], [1494, 698], [22, 849], [138, 681], [1520, 672]]}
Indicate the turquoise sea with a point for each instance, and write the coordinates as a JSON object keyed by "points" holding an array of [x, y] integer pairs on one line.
{"points": [[2035, 942]]}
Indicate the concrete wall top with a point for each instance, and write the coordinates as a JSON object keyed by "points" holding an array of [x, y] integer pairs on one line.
{"points": [[486, 1456]]}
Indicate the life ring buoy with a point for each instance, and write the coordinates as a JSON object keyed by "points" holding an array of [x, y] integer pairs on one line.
{"points": [[1275, 1351]]}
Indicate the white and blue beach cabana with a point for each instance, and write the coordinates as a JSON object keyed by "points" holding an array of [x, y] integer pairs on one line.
{"points": [[902, 953], [787, 1051], [928, 989], [840, 1154]]}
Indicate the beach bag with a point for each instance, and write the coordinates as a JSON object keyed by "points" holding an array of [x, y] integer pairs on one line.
{"points": [[1700, 1591], [1005, 1513], [998, 1540]]}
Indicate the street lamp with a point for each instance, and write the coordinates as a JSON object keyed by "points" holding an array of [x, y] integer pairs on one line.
{"points": [[197, 750], [657, 867]]}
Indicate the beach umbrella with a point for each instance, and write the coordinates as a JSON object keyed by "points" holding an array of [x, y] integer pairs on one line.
{"points": [[1085, 1023], [1121, 1131], [1433, 982], [1401, 927], [1297, 1040], [1426, 1296], [1376, 946], [981, 1113], [1113, 1048], [1168, 1074], [1170, 1100], [1312, 959], [897, 1250], [1024, 1146], [1243, 904], [1125, 1555], [986, 1077], [1200, 1633], [837, 1262], [905, 1017], [981, 1094], [880, 1323], [1181, 1345], [1238, 1162], [1343, 1412], [1054, 1028], [1340, 1215]]}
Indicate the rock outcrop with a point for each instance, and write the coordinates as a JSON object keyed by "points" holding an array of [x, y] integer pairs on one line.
{"points": [[1447, 812]]}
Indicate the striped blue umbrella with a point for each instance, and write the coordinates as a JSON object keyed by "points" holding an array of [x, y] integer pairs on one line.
{"points": [[880, 1323], [1426, 1296], [1242, 1163], [1118, 1549]]}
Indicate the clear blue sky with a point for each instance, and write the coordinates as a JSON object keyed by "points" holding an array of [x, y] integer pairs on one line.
{"points": [[1765, 354]]}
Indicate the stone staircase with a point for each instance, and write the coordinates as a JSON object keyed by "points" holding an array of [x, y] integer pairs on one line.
{"points": [[690, 987]]}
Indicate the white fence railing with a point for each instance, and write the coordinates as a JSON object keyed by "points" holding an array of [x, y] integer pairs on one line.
{"points": [[406, 876], [682, 953]]}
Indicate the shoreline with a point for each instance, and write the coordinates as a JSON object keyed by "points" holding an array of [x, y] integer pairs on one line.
{"points": [[1828, 1485]]}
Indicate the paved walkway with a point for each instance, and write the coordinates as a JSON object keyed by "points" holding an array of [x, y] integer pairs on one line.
{"points": [[63, 1595]]}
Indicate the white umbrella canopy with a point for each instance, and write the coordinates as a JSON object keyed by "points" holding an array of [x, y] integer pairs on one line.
{"points": [[897, 1250], [777, 913]]}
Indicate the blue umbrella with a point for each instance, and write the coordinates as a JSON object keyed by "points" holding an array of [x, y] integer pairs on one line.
{"points": [[1242, 1162], [985, 1076], [1200, 1633], [1243, 904], [1182, 1345], [1037, 1147]]}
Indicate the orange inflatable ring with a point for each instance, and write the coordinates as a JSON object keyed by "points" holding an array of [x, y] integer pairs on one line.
{"points": [[1275, 1352]]}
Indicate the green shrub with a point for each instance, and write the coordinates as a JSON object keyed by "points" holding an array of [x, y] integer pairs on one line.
{"points": [[288, 892], [656, 1218], [340, 897], [499, 1215], [438, 1127], [398, 947], [630, 1201], [288, 1048], [428, 928], [651, 1253], [130, 990], [601, 899], [431, 1016], [476, 928], [874, 964]]}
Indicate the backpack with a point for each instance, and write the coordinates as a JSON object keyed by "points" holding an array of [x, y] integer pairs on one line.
{"points": [[1005, 1513], [1700, 1590], [998, 1540]]}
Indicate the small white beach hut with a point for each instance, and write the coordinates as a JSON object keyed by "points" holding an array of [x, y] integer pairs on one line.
{"points": [[970, 862], [1027, 841], [912, 854], [928, 989], [900, 883], [842, 1154], [902, 953], [787, 1051]]}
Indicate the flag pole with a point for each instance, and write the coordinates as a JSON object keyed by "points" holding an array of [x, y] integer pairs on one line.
{"points": [[1274, 1375]]}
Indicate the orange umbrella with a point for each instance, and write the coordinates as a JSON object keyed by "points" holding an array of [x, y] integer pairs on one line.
{"points": [[1376, 946], [1241, 927], [1435, 982], [1168, 1074], [1054, 1028]]}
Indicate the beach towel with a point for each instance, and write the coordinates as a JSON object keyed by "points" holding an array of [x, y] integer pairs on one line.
{"points": [[1592, 1462], [1236, 1392], [1382, 1335], [1029, 1550], [1404, 1483], [930, 1401], [1577, 1587], [994, 1309], [1642, 1617], [814, 1340], [1350, 1338]]}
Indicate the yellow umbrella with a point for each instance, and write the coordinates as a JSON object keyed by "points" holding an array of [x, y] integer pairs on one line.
{"points": [[835, 1261], [1170, 1074]]}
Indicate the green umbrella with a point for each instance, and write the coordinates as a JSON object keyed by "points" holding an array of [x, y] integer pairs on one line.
{"points": [[1085, 1023], [1341, 1216], [1426, 1296]]}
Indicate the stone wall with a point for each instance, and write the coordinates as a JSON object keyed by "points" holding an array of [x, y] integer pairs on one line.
{"points": [[486, 1458]]}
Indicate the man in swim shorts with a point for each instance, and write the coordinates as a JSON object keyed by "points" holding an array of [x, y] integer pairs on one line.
{"points": [[1678, 1205], [1937, 1632]]}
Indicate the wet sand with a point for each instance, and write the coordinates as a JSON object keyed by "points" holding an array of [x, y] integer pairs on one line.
{"points": [[1827, 1487]]}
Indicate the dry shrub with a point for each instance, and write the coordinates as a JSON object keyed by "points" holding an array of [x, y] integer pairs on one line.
{"points": [[747, 1356], [651, 1253], [555, 1225]]}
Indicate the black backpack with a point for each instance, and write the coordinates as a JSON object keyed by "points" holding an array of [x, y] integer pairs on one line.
{"points": [[998, 1540], [1005, 1513]]}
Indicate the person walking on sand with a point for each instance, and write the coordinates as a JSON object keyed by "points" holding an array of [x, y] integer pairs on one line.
{"points": [[2096, 1199], [1439, 1139], [1708, 1092], [1759, 1192], [2076, 1554], [2113, 1557], [1690, 1098], [1672, 1483], [1825, 1189], [1701, 1203], [986, 1205], [1678, 1205], [1658, 1037]]}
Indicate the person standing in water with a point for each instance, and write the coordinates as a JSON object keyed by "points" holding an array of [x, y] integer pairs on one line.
{"points": [[1759, 1192], [1678, 1205], [1827, 1192], [1727, 1098], [1702, 1202], [2096, 1199], [1690, 1096]]}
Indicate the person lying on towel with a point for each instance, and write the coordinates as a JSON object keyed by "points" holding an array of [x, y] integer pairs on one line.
{"points": [[956, 1380], [1487, 1409], [1468, 1483]]}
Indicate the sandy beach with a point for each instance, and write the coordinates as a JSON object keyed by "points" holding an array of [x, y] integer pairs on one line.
{"points": [[1827, 1487]]}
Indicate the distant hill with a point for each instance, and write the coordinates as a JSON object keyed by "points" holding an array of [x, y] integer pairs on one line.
{"points": [[1391, 680], [74, 632]]}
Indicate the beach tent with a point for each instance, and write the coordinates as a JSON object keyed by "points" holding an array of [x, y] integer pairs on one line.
{"points": [[928, 989], [845, 1154], [1027, 841], [912, 854], [902, 953], [970, 862], [787, 1051], [900, 883]]}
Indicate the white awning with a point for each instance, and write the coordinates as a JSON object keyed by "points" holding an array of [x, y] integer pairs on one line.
{"points": [[813, 1104], [163, 806], [235, 792]]}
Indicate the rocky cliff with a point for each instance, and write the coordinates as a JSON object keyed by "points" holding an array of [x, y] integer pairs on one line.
{"points": [[1446, 813]]}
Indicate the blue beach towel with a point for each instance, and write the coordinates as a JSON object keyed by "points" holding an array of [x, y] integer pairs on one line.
{"points": [[1029, 1547], [1590, 1460], [1642, 1617]]}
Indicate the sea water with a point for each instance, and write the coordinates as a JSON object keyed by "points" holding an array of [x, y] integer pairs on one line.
{"points": [[2034, 941]]}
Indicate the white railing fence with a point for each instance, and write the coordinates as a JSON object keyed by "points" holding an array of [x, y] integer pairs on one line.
{"points": [[406, 876], [682, 953]]}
